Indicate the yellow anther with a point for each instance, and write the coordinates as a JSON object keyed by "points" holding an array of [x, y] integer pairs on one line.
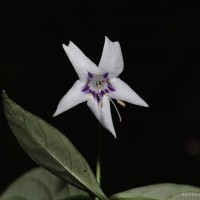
{"points": [[121, 103]]}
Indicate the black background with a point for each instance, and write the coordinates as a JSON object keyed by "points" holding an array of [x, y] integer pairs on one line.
{"points": [[160, 44]]}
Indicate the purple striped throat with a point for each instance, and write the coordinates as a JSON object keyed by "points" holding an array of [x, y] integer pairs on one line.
{"points": [[98, 86]]}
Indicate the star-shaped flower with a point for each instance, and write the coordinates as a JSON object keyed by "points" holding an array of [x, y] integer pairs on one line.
{"points": [[98, 85]]}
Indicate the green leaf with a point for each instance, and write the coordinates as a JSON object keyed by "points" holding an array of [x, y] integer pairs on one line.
{"points": [[48, 147], [165, 191], [39, 184], [15, 198]]}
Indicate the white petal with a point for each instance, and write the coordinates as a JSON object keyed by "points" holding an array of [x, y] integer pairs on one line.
{"points": [[72, 98], [81, 63], [125, 93], [103, 114], [111, 59]]}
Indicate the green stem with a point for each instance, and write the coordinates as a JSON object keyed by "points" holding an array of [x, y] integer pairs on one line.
{"points": [[98, 164]]}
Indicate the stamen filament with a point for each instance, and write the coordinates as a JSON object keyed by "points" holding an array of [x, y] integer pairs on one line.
{"points": [[98, 86], [101, 104], [120, 118]]}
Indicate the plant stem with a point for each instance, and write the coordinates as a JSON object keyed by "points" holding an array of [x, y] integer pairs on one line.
{"points": [[98, 164]]}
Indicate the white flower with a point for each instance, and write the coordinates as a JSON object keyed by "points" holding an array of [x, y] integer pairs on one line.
{"points": [[97, 85]]}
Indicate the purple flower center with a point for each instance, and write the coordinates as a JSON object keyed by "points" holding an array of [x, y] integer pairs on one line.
{"points": [[98, 86]]}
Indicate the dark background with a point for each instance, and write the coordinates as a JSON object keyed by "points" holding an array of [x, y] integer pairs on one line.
{"points": [[160, 44]]}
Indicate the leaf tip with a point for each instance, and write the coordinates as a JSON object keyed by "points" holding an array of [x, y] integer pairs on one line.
{"points": [[6, 99], [4, 95]]}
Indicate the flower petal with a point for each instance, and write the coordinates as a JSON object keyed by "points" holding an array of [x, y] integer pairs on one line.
{"points": [[111, 59], [72, 98], [81, 63], [103, 113], [125, 93]]}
